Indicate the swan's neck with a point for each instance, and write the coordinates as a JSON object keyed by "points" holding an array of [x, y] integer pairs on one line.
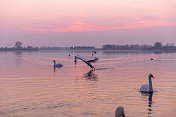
{"points": [[150, 85], [54, 64]]}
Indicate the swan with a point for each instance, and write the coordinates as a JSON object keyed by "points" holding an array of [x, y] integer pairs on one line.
{"points": [[120, 112], [93, 52], [59, 65], [147, 88], [88, 62]]}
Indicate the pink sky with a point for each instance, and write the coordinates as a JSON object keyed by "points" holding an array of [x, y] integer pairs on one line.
{"points": [[68, 22]]}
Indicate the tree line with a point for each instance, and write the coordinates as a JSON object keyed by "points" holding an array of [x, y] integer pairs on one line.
{"points": [[156, 46]]}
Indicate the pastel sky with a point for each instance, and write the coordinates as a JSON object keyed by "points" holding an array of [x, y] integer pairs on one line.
{"points": [[87, 22]]}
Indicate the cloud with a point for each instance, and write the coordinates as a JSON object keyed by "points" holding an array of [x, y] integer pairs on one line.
{"points": [[85, 27], [143, 24], [73, 27]]}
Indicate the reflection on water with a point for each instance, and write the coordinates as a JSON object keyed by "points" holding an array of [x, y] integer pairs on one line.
{"points": [[29, 87], [18, 57], [149, 95], [138, 51], [90, 75], [150, 99], [150, 103]]}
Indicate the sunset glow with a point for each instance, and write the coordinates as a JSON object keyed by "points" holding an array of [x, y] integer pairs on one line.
{"points": [[87, 58], [84, 15]]}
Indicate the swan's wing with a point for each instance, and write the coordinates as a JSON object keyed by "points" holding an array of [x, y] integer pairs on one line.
{"points": [[144, 88], [93, 61], [81, 58]]}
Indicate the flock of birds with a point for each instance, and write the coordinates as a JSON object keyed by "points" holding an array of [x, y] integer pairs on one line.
{"points": [[145, 88]]}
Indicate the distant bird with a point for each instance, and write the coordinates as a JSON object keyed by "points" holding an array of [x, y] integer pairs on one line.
{"points": [[147, 88], [151, 59], [88, 62], [93, 52], [59, 65], [75, 60], [120, 112]]}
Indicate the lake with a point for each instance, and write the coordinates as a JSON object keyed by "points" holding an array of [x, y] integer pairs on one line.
{"points": [[29, 86]]}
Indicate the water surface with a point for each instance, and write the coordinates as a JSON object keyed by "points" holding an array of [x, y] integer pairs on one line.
{"points": [[30, 88]]}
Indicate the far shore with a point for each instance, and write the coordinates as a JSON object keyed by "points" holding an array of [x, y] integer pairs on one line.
{"points": [[90, 50]]}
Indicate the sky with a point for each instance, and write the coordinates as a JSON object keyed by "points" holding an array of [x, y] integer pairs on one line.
{"points": [[87, 22]]}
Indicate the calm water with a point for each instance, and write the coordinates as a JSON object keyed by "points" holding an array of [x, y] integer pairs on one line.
{"points": [[29, 87]]}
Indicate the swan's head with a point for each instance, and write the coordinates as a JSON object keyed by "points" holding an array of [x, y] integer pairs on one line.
{"points": [[151, 76], [54, 61], [120, 112]]}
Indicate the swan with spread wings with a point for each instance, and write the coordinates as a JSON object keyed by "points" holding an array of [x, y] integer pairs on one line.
{"points": [[88, 62]]}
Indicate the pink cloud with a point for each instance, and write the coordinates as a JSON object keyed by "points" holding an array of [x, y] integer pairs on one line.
{"points": [[79, 27], [73, 27], [84, 27], [143, 24]]}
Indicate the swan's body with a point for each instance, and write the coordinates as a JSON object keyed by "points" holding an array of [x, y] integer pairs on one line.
{"points": [[59, 65], [147, 88], [120, 112], [88, 62]]}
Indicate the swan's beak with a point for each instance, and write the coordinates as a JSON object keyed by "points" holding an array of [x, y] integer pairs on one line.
{"points": [[153, 77]]}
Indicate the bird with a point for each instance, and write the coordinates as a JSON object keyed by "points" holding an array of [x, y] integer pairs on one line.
{"points": [[147, 88], [88, 62], [93, 52], [58, 65], [75, 60], [151, 59], [119, 112]]}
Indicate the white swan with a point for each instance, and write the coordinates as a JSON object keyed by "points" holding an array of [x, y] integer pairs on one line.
{"points": [[57, 65], [147, 88], [120, 112]]}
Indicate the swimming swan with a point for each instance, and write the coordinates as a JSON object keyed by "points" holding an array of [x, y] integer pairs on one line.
{"points": [[59, 65], [147, 88], [120, 112]]}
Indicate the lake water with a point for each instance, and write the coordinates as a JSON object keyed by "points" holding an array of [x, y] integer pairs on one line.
{"points": [[29, 87]]}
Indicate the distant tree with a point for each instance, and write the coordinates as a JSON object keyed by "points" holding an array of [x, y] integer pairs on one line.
{"points": [[107, 47], [29, 47], [18, 45], [158, 45]]}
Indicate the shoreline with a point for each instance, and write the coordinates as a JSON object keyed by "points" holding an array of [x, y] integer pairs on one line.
{"points": [[98, 50]]}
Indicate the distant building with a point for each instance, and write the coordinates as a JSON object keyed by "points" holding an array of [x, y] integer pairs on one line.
{"points": [[18, 45]]}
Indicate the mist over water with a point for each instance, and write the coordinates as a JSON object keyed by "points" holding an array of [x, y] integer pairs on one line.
{"points": [[30, 88]]}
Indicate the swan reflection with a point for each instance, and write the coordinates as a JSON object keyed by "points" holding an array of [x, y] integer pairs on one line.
{"points": [[90, 75], [150, 104], [150, 99], [150, 95]]}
